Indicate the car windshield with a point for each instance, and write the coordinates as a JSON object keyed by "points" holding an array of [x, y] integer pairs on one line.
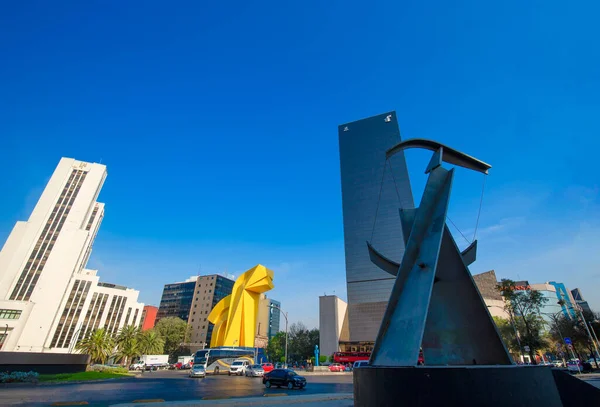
{"points": [[256, 367], [292, 373], [198, 367], [237, 363]]}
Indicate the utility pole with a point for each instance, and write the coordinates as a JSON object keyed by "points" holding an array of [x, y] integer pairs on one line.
{"points": [[285, 315]]}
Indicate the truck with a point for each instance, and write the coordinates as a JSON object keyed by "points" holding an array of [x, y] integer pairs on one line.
{"points": [[151, 362]]}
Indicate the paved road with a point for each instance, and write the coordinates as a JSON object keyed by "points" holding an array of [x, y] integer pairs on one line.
{"points": [[168, 386]]}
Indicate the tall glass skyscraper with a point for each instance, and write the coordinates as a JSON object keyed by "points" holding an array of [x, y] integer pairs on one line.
{"points": [[373, 190]]}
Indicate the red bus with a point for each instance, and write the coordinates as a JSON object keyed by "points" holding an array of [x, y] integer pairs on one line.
{"points": [[350, 357]]}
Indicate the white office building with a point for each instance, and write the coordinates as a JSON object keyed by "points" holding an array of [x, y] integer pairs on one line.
{"points": [[48, 299], [333, 324]]}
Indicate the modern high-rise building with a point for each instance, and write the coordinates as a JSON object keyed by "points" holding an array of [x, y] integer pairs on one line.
{"points": [[274, 318], [566, 298], [149, 317], [373, 190], [51, 298], [176, 300], [209, 290], [578, 297]]}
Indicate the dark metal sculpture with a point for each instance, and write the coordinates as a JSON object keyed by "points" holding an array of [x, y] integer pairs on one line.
{"points": [[434, 303]]}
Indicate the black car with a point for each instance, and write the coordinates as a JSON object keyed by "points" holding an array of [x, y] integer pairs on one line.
{"points": [[283, 377]]}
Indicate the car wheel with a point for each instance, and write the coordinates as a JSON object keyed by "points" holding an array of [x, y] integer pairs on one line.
{"points": [[216, 371], [268, 384], [290, 385], [228, 373]]}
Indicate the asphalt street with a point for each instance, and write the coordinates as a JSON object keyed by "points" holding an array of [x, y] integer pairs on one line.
{"points": [[167, 386]]}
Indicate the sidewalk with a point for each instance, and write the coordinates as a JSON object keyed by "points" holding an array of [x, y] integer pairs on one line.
{"points": [[281, 400]]}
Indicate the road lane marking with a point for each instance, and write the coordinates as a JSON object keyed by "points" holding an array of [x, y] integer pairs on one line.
{"points": [[70, 403], [215, 397], [148, 401], [274, 394]]}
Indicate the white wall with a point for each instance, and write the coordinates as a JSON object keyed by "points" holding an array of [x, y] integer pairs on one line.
{"points": [[331, 317]]}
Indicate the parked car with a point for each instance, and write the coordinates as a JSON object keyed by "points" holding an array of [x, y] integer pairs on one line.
{"points": [[593, 363], [336, 367], [238, 367], [197, 371], [574, 366], [267, 367], [255, 371], [284, 377], [360, 363], [558, 363]]}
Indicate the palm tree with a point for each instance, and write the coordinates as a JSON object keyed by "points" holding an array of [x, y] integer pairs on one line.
{"points": [[99, 345], [127, 343], [150, 343]]}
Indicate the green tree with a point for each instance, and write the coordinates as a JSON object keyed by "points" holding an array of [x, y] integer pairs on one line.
{"points": [[566, 327], [276, 347], [127, 343], [173, 330], [322, 359], [99, 345], [525, 306], [150, 343], [507, 332], [302, 342]]}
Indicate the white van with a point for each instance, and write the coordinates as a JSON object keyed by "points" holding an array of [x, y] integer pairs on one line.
{"points": [[360, 363], [238, 367]]}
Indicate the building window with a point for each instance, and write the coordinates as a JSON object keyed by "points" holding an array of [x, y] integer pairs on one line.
{"points": [[70, 315], [10, 314], [34, 267], [94, 212]]}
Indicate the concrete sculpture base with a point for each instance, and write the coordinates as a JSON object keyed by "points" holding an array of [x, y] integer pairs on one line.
{"points": [[492, 386]]}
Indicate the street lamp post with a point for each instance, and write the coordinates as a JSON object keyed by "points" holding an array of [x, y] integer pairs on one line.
{"points": [[587, 329], [555, 320], [286, 330]]}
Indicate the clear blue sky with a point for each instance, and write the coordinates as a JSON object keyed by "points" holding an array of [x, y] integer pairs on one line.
{"points": [[218, 124]]}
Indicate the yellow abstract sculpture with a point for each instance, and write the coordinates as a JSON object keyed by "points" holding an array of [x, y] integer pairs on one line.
{"points": [[235, 316]]}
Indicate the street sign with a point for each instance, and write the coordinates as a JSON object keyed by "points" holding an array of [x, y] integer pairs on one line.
{"points": [[526, 348], [568, 341]]}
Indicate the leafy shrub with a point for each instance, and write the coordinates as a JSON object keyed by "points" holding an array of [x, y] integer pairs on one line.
{"points": [[19, 377], [106, 368]]}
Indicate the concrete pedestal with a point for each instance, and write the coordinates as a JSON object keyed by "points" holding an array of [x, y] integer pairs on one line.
{"points": [[492, 386]]}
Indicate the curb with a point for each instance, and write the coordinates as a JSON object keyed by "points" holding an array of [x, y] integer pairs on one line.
{"points": [[246, 401]]}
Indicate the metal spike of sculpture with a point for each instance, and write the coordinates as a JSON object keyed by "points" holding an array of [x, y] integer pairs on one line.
{"points": [[435, 303], [235, 315]]}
